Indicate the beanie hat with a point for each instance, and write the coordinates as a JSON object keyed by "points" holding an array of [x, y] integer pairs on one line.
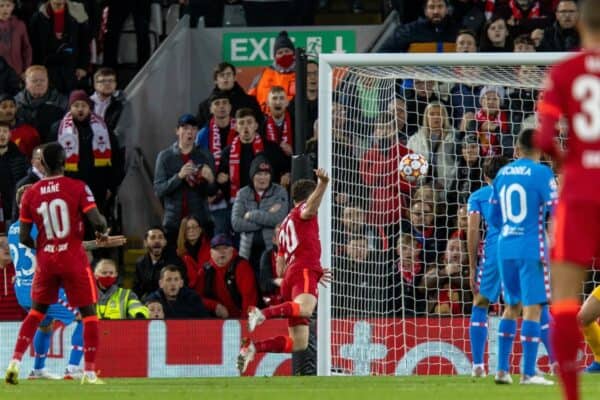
{"points": [[283, 41], [79, 95], [260, 163], [7, 96]]}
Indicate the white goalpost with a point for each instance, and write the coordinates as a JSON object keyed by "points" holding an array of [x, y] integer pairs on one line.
{"points": [[400, 298]]}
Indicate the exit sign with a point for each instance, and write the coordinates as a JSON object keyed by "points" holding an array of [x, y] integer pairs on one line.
{"points": [[256, 48]]}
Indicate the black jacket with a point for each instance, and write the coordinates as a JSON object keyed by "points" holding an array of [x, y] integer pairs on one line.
{"points": [[148, 274], [28, 179], [13, 167], [9, 80], [238, 99], [559, 39], [423, 32], [188, 304], [113, 111], [42, 112]]}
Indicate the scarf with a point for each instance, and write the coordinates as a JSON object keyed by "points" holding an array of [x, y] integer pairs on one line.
{"points": [[68, 137], [490, 141], [275, 135], [235, 156], [410, 272], [214, 139], [518, 14]]}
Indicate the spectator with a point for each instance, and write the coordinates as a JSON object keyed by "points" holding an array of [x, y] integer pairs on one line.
{"points": [[258, 207], [469, 14], [108, 101], [37, 104], [524, 16], [562, 35], [422, 227], [466, 42], [184, 178], [147, 267], [193, 245], [521, 102], [378, 172], [155, 309], [236, 158], [469, 169], [268, 12], [177, 300], [537, 35], [462, 219], [435, 33], [227, 285], [10, 82], [10, 310], [15, 47], [280, 73], [279, 125], [523, 44], [397, 107], [115, 302], [436, 140], [224, 76], [215, 136], [25, 136], [493, 127], [269, 281], [495, 36], [60, 39], [417, 99], [92, 150], [408, 279], [118, 12], [464, 100], [35, 172], [312, 94], [13, 165], [212, 11]]}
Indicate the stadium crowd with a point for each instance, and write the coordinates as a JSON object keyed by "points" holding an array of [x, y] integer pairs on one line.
{"points": [[399, 247]]}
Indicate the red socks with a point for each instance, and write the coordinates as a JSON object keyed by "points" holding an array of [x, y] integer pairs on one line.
{"points": [[28, 328], [283, 310], [90, 342], [277, 344], [566, 340]]}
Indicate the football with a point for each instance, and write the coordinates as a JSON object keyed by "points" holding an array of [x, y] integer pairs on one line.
{"points": [[413, 166]]}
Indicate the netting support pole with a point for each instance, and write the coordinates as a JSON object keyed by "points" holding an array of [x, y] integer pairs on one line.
{"points": [[325, 218]]}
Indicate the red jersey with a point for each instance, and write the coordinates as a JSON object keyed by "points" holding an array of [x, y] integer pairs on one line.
{"points": [[573, 91], [299, 240], [56, 206]]}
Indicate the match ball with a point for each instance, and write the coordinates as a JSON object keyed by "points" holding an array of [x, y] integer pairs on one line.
{"points": [[413, 166]]}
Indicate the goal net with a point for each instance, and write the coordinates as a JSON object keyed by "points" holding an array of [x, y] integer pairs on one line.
{"points": [[400, 300]]}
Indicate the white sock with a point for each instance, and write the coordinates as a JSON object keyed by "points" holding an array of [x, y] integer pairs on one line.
{"points": [[72, 368]]}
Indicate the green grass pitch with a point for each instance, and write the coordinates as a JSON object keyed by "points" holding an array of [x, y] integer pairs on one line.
{"points": [[293, 388]]}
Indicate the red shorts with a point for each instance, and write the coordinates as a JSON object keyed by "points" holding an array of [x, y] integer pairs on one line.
{"points": [[576, 233], [296, 281], [69, 270]]}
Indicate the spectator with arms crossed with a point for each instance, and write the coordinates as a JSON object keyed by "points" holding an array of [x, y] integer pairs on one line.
{"points": [[301, 262]]}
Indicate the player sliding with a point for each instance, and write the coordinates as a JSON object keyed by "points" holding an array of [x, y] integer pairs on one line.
{"points": [[573, 93], [299, 262], [524, 191], [56, 205]]}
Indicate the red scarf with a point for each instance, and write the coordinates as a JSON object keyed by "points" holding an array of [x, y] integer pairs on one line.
{"points": [[214, 139], [410, 272], [235, 156], [490, 141], [59, 20], [518, 14], [68, 137], [275, 135]]}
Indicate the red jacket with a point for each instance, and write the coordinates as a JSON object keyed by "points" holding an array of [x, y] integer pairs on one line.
{"points": [[10, 310], [245, 282], [192, 266]]}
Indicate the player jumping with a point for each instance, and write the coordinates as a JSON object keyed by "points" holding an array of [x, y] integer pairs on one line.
{"points": [[300, 257], [573, 93], [56, 205], [524, 191]]}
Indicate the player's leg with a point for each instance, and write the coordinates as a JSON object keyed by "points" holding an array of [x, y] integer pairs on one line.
{"points": [[41, 345], [24, 339], [478, 331], [74, 371], [507, 328], [90, 343], [591, 329], [545, 323]]}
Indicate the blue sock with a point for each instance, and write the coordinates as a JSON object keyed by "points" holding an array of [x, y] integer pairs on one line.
{"points": [[478, 332], [77, 343], [506, 335], [545, 321], [530, 340], [41, 345]]}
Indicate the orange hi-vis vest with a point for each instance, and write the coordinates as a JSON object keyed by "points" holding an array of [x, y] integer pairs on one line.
{"points": [[269, 78]]}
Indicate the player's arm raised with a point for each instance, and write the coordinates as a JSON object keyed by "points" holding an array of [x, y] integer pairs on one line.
{"points": [[314, 200]]}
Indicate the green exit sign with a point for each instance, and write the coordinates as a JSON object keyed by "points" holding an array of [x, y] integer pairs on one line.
{"points": [[256, 48]]}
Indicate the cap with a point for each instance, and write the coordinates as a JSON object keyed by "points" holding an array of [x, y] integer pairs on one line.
{"points": [[260, 163], [187, 119], [497, 89], [283, 41], [79, 95], [221, 240]]}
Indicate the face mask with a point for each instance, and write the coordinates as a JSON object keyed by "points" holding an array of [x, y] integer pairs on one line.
{"points": [[107, 281], [285, 61]]}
